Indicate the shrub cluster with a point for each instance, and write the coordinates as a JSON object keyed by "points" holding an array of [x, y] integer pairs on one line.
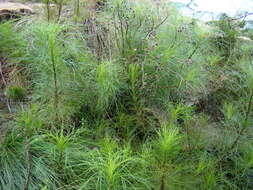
{"points": [[133, 97]]}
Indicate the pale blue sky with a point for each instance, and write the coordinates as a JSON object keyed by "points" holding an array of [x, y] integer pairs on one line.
{"points": [[231, 7]]}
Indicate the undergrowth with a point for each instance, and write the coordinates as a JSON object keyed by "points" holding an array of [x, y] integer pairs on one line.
{"points": [[128, 95]]}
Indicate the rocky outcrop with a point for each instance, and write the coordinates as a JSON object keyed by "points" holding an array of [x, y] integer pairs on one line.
{"points": [[13, 10], [244, 38]]}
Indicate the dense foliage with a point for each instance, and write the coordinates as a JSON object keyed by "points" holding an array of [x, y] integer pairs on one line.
{"points": [[125, 95]]}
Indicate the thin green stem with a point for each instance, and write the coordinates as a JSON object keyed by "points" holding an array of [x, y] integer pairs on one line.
{"points": [[59, 10], [55, 80], [245, 126], [29, 166]]}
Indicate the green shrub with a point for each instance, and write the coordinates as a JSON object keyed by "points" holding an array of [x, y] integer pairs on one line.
{"points": [[135, 97], [15, 93], [17, 171]]}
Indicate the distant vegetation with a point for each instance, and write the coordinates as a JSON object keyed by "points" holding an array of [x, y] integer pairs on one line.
{"points": [[125, 95]]}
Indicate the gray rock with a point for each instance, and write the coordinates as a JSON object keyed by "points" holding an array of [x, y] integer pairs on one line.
{"points": [[14, 10]]}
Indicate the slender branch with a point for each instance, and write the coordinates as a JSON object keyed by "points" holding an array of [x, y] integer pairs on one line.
{"points": [[8, 105], [55, 79], [244, 16], [162, 182], [121, 30], [47, 2], [29, 166], [5, 83], [157, 26], [77, 9], [2, 75], [195, 50], [59, 10], [245, 126]]}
